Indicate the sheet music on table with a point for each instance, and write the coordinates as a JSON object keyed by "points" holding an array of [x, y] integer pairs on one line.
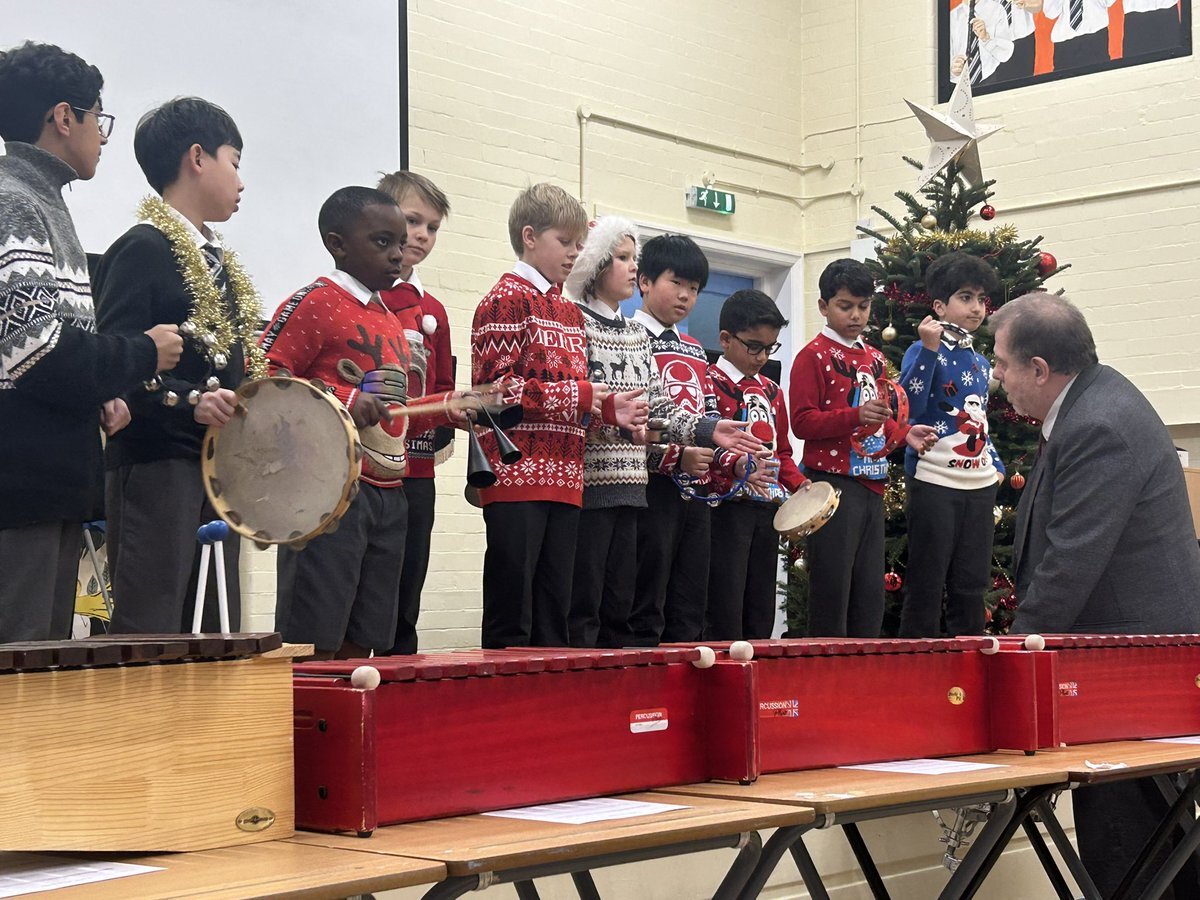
{"points": [[32, 873], [583, 812]]}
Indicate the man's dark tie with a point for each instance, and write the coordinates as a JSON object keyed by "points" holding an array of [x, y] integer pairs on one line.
{"points": [[974, 63]]}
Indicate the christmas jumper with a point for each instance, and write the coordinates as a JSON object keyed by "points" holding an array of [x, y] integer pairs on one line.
{"points": [[55, 371], [536, 339], [829, 382], [333, 319], [758, 400], [948, 389], [683, 367], [614, 471], [432, 366], [138, 285]]}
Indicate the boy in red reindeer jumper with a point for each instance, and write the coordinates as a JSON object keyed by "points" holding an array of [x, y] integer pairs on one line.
{"points": [[833, 394], [339, 593], [525, 333]]}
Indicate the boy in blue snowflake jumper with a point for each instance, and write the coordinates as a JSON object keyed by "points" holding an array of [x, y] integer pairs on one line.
{"points": [[952, 488]]}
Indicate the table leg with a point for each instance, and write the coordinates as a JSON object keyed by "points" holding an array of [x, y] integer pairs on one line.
{"points": [[865, 863], [808, 871], [452, 888], [1162, 880], [1048, 864], [1180, 812], [584, 886], [1067, 850], [743, 866], [772, 852], [1001, 825], [527, 890]]}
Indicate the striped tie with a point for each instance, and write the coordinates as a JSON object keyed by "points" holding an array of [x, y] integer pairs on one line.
{"points": [[1076, 14], [1007, 4], [215, 259], [974, 64]]}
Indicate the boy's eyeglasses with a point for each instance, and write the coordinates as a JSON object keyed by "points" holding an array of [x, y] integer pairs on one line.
{"points": [[104, 121], [754, 348]]}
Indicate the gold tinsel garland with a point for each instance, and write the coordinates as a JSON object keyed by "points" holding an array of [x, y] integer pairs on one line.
{"points": [[210, 324], [998, 237]]}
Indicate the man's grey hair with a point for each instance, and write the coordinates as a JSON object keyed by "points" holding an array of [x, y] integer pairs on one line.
{"points": [[1049, 326]]}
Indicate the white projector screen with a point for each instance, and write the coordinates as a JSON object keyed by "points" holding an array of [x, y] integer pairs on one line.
{"points": [[313, 87]]}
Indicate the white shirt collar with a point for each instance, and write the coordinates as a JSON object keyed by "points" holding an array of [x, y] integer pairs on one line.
{"points": [[353, 286], [856, 344], [1052, 416], [199, 238], [652, 324], [412, 280], [735, 374], [532, 275], [602, 309]]}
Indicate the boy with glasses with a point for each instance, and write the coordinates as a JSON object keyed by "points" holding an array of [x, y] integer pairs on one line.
{"points": [[745, 545], [58, 378]]}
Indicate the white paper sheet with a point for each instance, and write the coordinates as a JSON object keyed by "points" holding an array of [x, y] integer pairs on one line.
{"points": [[31, 873], [1189, 739], [581, 812], [926, 767]]}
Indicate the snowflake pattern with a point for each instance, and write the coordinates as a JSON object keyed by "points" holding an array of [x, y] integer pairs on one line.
{"points": [[967, 378], [915, 385], [942, 361], [837, 354], [941, 427], [554, 359]]}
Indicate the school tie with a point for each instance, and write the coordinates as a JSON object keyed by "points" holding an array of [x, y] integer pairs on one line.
{"points": [[669, 336], [1076, 14], [214, 258], [974, 63], [1007, 4]]}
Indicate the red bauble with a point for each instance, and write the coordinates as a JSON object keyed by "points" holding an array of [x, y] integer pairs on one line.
{"points": [[987, 213], [1047, 264], [1017, 481], [892, 582]]}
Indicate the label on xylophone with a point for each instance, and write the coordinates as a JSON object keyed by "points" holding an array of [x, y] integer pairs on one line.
{"points": [[644, 720]]}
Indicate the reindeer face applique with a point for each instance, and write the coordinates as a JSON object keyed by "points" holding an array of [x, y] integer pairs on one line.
{"points": [[383, 444]]}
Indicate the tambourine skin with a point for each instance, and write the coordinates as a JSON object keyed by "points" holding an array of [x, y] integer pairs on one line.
{"points": [[807, 511], [285, 468], [899, 402]]}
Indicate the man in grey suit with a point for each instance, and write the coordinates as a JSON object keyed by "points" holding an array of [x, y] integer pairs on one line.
{"points": [[1104, 540]]}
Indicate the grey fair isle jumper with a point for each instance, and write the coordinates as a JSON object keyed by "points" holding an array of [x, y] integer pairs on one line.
{"points": [[55, 371], [614, 468]]}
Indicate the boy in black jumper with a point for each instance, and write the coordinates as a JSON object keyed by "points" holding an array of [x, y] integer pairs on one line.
{"points": [[59, 380], [172, 267]]}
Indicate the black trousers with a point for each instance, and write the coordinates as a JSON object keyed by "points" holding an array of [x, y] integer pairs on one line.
{"points": [[672, 567], [1112, 823], [527, 573], [342, 587], [39, 566], [742, 582], [1082, 50], [605, 576], [949, 551], [153, 511], [1019, 65], [421, 495], [1152, 31], [845, 564]]}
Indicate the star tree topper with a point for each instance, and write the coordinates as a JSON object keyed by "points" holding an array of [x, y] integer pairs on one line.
{"points": [[953, 135]]}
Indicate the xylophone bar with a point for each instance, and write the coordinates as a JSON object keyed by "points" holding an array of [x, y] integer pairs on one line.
{"points": [[114, 650]]}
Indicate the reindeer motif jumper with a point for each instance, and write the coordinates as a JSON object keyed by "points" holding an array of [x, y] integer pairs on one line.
{"points": [[614, 472], [829, 382], [334, 319], [526, 332], [948, 389]]}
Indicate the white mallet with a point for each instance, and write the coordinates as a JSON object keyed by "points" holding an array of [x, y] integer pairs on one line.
{"points": [[993, 647], [743, 651], [211, 535], [365, 677], [1035, 642], [707, 658]]}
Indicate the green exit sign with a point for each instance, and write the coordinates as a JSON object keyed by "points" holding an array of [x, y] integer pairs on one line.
{"points": [[707, 198]]}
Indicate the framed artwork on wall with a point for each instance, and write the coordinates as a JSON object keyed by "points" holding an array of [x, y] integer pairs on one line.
{"points": [[1003, 44]]}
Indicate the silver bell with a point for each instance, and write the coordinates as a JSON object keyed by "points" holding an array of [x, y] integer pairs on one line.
{"points": [[220, 360], [213, 383], [152, 384], [208, 339], [188, 328], [170, 398], [193, 398]]}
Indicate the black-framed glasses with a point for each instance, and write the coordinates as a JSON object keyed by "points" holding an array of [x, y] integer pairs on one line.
{"points": [[754, 348], [104, 121]]}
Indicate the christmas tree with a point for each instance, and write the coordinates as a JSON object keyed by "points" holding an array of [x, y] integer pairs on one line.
{"points": [[940, 220]]}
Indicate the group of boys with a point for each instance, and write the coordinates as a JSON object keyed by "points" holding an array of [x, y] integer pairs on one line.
{"points": [[592, 539]]}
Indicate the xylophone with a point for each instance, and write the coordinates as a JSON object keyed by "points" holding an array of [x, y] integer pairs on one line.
{"points": [[145, 743], [455, 733], [1086, 688]]}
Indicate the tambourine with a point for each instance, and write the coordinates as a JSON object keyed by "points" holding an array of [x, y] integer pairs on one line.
{"points": [[286, 467], [956, 335], [898, 401], [806, 511]]}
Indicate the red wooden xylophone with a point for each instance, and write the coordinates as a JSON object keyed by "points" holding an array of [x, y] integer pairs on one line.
{"points": [[454, 733]]}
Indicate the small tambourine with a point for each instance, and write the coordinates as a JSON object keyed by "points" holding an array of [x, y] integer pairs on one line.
{"points": [[806, 511], [898, 401]]}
